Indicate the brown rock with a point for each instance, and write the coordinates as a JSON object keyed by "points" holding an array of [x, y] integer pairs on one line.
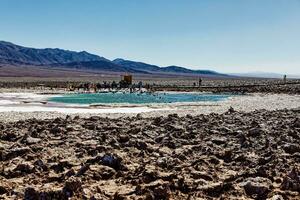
{"points": [[291, 148], [72, 187], [259, 187]]}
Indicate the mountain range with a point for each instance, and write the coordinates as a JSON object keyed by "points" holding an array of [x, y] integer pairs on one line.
{"points": [[259, 74], [12, 55]]}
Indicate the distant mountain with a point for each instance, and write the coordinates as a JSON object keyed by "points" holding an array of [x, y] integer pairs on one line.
{"points": [[136, 65], [15, 54], [18, 56], [156, 69], [177, 69], [97, 65], [258, 75], [264, 75]]}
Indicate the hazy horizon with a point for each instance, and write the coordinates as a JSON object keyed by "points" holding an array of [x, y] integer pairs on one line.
{"points": [[225, 36]]}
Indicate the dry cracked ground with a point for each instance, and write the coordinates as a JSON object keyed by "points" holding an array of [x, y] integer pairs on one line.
{"points": [[234, 155]]}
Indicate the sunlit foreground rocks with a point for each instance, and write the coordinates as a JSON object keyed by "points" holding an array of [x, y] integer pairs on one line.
{"points": [[230, 156]]}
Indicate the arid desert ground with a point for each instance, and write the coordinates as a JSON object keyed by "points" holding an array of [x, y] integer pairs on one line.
{"points": [[246, 147]]}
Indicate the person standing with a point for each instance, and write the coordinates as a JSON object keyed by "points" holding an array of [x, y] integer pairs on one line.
{"points": [[284, 79], [200, 82]]}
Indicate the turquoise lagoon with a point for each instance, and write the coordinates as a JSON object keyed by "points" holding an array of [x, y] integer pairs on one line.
{"points": [[137, 98]]}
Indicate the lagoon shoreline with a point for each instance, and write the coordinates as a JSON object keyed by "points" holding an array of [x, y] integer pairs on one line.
{"points": [[13, 108]]}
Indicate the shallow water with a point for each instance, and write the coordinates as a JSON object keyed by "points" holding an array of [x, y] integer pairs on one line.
{"points": [[137, 98]]}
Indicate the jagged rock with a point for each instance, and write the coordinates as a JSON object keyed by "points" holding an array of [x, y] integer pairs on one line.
{"points": [[297, 123], [53, 177], [230, 110], [123, 138], [149, 174], [225, 155], [291, 148], [201, 175], [156, 190], [4, 187], [255, 132], [141, 145], [9, 136], [16, 152], [258, 186], [118, 196], [112, 161], [219, 140], [99, 172], [60, 166], [162, 192], [276, 197], [216, 189], [26, 168], [39, 164], [31, 194], [291, 181], [73, 186], [70, 128], [90, 126], [57, 130], [164, 162], [31, 140], [83, 169]]}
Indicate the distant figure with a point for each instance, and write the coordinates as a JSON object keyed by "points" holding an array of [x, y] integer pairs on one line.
{"points": [[200, 82], [130, 89], [98, 86], [140, 85], [114, 85], [284, 78]]}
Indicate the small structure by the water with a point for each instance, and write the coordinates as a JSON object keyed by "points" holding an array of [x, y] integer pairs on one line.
{"points": [[128, 79]]}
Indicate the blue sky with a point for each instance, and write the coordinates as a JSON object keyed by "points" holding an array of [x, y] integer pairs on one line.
{"points": [[221, 35]]}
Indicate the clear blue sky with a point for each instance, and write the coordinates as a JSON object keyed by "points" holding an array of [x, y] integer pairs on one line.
{"points": [[222, 35]]}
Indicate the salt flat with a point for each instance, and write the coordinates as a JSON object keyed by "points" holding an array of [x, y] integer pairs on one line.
{"points": [[13, 108]]}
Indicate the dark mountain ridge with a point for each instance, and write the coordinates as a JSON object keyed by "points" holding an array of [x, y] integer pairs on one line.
{"points": [[168, 69], [97, 66], [136, 65], [10, 52], [15, 55]]}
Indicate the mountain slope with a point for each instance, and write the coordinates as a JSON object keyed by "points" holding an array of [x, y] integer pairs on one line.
{"points": [[177, 69], [15, 54], [136, 65], [97, 66], [156, 69], [18, 56]]}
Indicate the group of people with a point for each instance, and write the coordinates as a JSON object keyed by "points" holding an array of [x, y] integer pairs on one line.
{"points": [[88, 86], [199, 82]]}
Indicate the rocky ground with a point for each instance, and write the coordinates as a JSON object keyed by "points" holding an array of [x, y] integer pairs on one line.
{"points": [[235, 155], [270, 85], [240, 88]]}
